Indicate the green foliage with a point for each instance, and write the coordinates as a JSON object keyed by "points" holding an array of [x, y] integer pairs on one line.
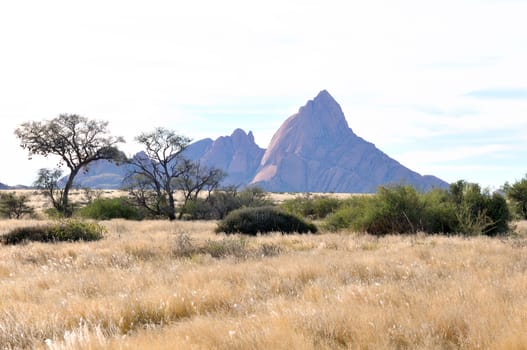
{"points": [[110, 208], [517, 194], [53, 213], [478, 211], [13, 206], [438, 212], [67, 230], [396, 209], [221, 203], [263, 220], [313, 207], [464, 209]]}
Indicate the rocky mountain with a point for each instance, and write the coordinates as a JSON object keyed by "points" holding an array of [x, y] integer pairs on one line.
{"points": [[316, 151], [101, 174], [238, 155]]}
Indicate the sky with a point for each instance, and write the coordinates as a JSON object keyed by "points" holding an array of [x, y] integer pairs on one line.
{"points": [[440, 86]]}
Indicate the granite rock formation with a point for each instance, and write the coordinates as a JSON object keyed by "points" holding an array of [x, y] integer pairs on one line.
{"points": [[316, 151]]}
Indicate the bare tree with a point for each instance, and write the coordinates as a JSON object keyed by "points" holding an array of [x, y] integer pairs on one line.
{"points": [[151, 179], [77, 140], [195, 178], [162, 170]]}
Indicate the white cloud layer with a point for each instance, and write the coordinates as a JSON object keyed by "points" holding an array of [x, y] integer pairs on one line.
{"points": [[416, 78]]}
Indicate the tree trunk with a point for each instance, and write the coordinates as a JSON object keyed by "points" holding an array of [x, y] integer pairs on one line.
{"points": [[171, 207], [66, 210]]}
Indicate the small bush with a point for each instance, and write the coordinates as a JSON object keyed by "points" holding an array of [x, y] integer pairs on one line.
{"points": [[13, 206], [263, 220], [316, 207], [68, 230], [110, 208], [199, 209]]}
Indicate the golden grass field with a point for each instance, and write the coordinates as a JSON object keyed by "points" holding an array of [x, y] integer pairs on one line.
{"points": [[163, 285]]}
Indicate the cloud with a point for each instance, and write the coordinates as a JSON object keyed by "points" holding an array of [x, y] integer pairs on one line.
{"points": [[505, 94]]}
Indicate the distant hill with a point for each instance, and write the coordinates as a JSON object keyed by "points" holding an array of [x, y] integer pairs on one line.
{"points": [[314, 150], [17, 187]]}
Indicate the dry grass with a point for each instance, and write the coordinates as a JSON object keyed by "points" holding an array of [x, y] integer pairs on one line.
{"points": [[161, 285]]}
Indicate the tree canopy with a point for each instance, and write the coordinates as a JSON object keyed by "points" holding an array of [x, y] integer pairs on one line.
{"points": [[75, 139]]}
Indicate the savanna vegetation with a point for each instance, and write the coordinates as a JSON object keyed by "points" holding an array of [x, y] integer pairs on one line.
{"points": [[396, 269]]}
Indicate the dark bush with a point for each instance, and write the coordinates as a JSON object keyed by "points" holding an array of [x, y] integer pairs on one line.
{"points": [[68, 230], [263, 220], [110, 208]]}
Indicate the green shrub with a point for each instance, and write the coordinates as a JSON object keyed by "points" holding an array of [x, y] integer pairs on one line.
{"points": [[439, 212], [221, 203], [110, 208], [464, 209], [199, 209], [348, 216], [478, 211], [316, 207], [67, 230], [517, 194], [263, 220], [392, 210], [14, 206]]}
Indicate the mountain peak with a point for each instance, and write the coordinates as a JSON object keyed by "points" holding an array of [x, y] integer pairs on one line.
{"points": [[316, 150], [324, 95], [239, 136]]}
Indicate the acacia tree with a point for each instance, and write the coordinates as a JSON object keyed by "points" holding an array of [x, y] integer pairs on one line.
{"points": [[161, 170], [150, 180], [77, 141]]}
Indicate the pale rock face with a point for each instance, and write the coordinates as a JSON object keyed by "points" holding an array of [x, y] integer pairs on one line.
{"points": [[316, 151], [238, 155]]}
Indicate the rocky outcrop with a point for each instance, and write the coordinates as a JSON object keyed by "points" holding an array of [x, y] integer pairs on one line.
{"points": [[238, 155], [316, 151]]}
